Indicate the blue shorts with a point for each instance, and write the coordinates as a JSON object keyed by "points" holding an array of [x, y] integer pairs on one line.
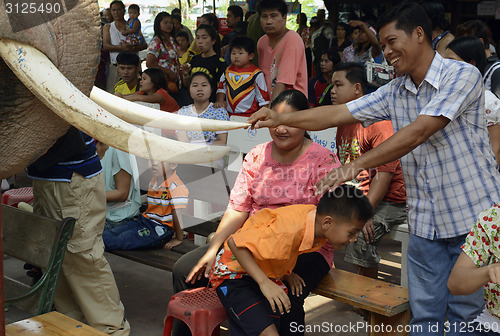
{"points": [[247, 309]]}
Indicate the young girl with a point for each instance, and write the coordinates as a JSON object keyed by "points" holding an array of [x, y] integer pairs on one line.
{"points": [[153, 90], [162, 50], [209, 61], [200, 88]]}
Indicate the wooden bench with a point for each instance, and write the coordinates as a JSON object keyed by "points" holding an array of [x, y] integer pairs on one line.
{"points": [[51, 324], [387, 304]]}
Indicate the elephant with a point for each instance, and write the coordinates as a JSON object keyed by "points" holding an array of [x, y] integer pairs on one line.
{"points": [[64, 50]]}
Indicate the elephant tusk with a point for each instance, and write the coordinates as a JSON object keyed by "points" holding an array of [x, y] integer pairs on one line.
{"points": [[143, 115], [50, 86]]}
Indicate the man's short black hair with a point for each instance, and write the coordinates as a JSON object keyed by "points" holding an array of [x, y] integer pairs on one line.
{"points": [[243, 42], [134, 7], [236, 10], [354, 73], [345, 202], [408, 16], [128, 58], [280, 5], [248, 14]]}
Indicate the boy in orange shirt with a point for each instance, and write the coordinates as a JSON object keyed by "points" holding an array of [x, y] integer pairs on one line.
{"points": [[247, 271], [155, 227]]}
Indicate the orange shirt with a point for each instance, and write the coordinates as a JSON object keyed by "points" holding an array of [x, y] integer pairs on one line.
{"points": [[275, 237]]}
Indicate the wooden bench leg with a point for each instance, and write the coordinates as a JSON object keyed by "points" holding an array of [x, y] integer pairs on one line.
{"points": [[381, 325]]}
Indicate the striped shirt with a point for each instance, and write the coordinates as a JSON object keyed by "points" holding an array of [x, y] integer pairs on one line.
{"points": [[452, 176], [164, 198], [86, 163]]}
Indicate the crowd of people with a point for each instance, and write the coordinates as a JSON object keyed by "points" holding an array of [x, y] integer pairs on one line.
{"points": [[423, 149]]}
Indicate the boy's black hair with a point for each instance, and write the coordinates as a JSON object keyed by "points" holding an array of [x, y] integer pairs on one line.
{"points": [[280, 5], [469, 48], [200, 73], [128, 58], [134, 6], [408, 16], [213, 35], [248, 14], [346, 202], [354, 73], [182, 33], [243, 42], [157, 78], [236, 10]]}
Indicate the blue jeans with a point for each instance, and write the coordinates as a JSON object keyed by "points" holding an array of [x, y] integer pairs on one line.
{"points": [[137, 233], [429, 265]]}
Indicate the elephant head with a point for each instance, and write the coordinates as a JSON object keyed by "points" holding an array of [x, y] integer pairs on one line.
{"points": [[30, 117]]}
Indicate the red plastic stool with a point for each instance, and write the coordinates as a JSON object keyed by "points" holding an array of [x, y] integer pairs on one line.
{"points": [[199, 308], [14, 196]]}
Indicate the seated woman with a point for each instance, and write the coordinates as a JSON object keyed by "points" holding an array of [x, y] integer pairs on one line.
{"points": [[121, 178], [274, 174]]}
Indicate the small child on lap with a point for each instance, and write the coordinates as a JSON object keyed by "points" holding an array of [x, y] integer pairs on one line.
{"points": [[155, 227], [247, 271]]}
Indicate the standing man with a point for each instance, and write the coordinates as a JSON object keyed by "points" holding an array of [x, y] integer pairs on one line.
{"points": [[450, 173], [68, 183], [234, 18], [281, 51]]}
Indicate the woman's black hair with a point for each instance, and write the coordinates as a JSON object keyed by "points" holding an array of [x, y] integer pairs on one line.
{"points": [[295, 99], [436, 13], [213, 20], [469, 48], [157, 27], [213, 35], [348, 29], [200, 73], [117, 2], [332, 56], [157, 78]]}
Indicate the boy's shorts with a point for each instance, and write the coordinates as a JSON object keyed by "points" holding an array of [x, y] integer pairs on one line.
{"points": [[247, 309], [364, 254]]}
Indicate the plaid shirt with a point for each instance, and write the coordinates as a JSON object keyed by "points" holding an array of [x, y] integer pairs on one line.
{"points": [[453, 175]]}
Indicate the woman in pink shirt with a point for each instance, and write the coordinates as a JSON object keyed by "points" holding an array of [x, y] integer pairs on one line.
{"points": [[274, 174]]}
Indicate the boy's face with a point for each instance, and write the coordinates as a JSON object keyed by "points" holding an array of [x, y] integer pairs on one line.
{"points": [[129, 73], [401, 50], [240, 57], [158, 167], [182, 42], [273, 22], [342, 90], [133, 14], [342, 232]]}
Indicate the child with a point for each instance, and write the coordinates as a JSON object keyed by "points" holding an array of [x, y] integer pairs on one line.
{"points": [[167, 195], [132, 31], [209, 61], [182, 39], [153, 90], [127, 67], [200, 88], [242, 83], [479, 266], [248, 269]]}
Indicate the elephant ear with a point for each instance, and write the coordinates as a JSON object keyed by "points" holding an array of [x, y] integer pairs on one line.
{"points": [[72, 42]]}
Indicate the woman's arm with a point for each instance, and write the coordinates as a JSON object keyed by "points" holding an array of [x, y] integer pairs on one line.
{"points": [[465, 278], [154, 98], [106, 41], [221, 140], [152, 62], [494, 132], [122, 187], [230, 223], [182, 136]]}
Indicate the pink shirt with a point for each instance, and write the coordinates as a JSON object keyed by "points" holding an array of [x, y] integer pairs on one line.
{"points": [[286, 63], [265, 183]]}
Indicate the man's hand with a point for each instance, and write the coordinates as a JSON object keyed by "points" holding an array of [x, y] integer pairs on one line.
{"points": [[295, 282], [203, 267], [276, 296], [336, 177], [264, 117], [369, 231]]}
